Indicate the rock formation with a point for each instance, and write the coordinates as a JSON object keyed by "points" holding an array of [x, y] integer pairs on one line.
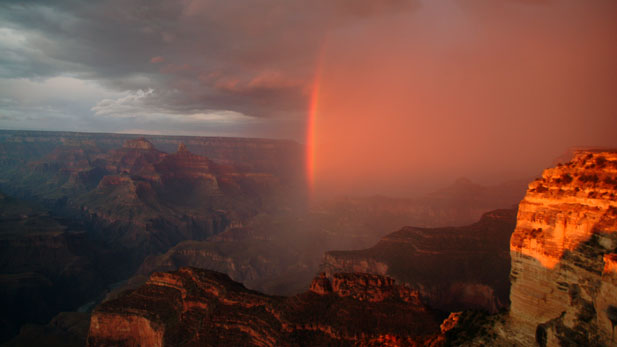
{"points": [[130, 200], [137, 198], [278, 157], [136, 195], [563, 255], [453, 268], [200, 307]]}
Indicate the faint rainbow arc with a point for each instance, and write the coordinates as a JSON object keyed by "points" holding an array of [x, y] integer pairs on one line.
{"points": [[312, 116]]}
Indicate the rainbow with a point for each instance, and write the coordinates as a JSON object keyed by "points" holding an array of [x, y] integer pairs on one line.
{"points": [[310, 126]]}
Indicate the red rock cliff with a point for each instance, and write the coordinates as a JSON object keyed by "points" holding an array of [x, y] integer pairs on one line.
{"points": [[564, 280]]}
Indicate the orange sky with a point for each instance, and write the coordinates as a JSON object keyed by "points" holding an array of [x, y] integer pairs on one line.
{"points": [[408, 103]]}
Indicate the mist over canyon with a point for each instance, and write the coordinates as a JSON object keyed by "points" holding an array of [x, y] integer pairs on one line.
{"points": [[562, 254], [87, 216], [103, 233]]}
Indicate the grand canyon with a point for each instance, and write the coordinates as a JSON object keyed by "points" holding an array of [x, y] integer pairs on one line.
{"points": [[91, 215], [108, 240], [562, 276], [308, 173]]}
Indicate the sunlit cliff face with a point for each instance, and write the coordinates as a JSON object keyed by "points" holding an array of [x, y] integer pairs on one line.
{"points": [[563, 254], [403, 103], [568, 206]]}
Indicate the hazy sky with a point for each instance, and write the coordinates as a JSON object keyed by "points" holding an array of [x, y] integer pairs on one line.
{"points": [[409, 91]]}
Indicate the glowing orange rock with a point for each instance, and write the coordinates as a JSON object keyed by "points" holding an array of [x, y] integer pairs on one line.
{"points": [[562, 273]]}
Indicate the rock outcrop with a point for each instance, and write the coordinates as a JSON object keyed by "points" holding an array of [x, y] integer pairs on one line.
{"points": [[564, 280], [363, 287], [453, 268], [201, 307]]}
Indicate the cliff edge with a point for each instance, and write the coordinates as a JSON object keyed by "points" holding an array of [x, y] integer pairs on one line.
{"points": [[564, 279]]}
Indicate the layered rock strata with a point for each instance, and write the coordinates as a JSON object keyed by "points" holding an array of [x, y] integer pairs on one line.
{"points": [[111, 200], [201, 307], [453, 268], [564, 278]]}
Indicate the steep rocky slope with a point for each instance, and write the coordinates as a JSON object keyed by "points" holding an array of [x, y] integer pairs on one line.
{"points": [[200, 307], [563, 255], [453, 268]]}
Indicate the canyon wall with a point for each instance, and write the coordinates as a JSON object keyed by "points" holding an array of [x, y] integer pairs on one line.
{"points": [[104, 202], [453, 268], [135, 194], [201, 307], [280, 157], [563, 251]]}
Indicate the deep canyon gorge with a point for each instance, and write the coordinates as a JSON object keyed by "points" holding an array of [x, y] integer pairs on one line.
{"points": [[109, 240]]}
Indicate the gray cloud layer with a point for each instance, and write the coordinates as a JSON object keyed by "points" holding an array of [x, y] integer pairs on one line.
{"points": [[181, 57]]}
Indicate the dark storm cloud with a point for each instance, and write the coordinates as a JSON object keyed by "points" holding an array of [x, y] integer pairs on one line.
{"points": [[255, 57], [488, 84]]}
